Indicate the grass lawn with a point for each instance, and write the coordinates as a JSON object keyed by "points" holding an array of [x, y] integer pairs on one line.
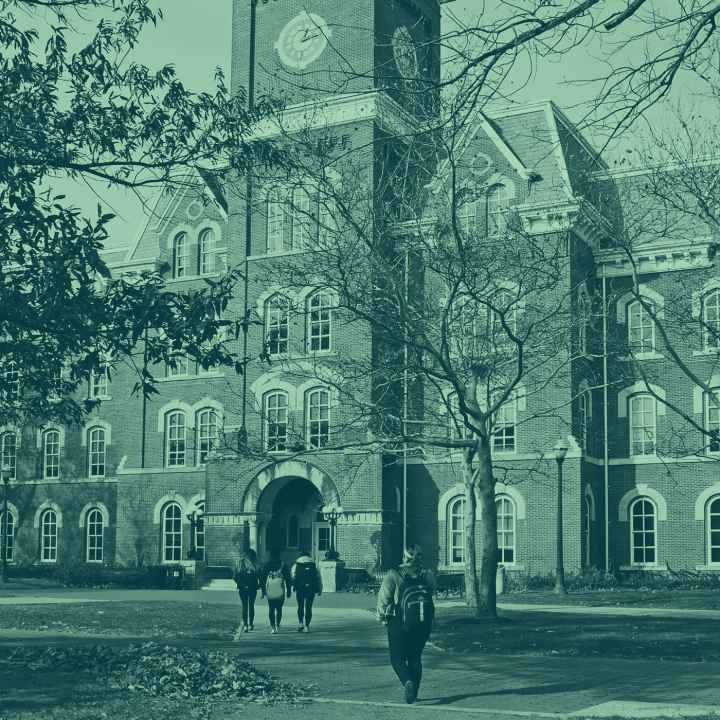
{"points": [[686, 599], [528, 633]]}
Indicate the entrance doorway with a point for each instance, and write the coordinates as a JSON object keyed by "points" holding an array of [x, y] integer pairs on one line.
{"points": [[293, 505], [321, 540]]}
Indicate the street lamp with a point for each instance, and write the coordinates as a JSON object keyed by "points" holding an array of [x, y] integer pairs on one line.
{"points": [[331, 514], [6, 472], [560, 449], [192, 518]]}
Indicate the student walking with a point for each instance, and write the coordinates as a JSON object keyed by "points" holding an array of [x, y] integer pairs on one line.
{"points": [[405, 606], [275, 586], [247, 579], [307, 583]]}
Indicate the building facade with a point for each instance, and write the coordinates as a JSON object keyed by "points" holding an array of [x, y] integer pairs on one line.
{"points": [[217, 462]]}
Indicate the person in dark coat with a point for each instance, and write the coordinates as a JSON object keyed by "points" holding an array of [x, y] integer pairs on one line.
{"points": [[406, 645], [247, 579], [307, 583]]}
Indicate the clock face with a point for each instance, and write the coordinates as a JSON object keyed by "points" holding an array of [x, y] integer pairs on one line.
{"points": [[302, 40], [405, 53]]}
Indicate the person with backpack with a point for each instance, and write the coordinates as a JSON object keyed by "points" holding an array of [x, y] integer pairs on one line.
{"points": [[247, 579], [307, 583], [276, 584], [405, 606]]}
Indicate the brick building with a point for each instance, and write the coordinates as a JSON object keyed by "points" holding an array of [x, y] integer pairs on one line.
{"points": [[122, 489]]}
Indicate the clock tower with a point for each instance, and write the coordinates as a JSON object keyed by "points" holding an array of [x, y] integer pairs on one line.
{"points": [[308, 49]]}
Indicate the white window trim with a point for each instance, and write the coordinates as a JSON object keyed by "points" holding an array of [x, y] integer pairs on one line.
{"points": [[267, 306], [640, 388], [331, 308], [307, 395], [89, 451], [708, 547], [41, 517], [214, 440], [102, 538], [265, 423], [163, 543], [186, 428], [631, 426], [505, 496], [652, 350], [656, 547]]}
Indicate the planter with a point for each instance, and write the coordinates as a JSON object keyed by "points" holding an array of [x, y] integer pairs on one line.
{"points": [[331, 573]]}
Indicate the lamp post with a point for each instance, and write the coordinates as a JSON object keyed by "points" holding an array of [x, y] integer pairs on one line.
{"points": [[560, 449], [192, 517], [331, 515], [5, 471]]}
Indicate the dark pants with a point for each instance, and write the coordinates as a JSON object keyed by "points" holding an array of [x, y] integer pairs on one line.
{"points": [[305, 603], [247, 600], [406, 650], [275, 611]]}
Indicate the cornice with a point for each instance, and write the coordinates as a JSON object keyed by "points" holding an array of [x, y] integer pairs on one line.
{"points": [[377, 106], [665, 256]]}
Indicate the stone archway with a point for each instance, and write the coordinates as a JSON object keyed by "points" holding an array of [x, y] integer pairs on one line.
{"points": [[285, 500]]}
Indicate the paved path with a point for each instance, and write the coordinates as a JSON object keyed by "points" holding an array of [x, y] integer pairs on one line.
{"points": [[345, 655]]}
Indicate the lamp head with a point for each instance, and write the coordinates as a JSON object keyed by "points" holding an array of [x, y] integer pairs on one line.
{"points": [[561, 448]]}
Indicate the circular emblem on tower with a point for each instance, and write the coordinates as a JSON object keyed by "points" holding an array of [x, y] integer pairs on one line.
{"points": [[405, 53], [302, 41]]}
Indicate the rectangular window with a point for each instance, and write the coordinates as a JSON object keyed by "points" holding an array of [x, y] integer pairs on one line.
{"points": [[96, 451], [712, 420], [276, 422], [275, 223], [206, 434], [9, 453], [7, 535], [320, 323], [641, 328], [318, 421], [11, 375], [100, 383], [277, 328], [304, 222], [180, 369], [51, 454], [504, 431], [642, 425]]}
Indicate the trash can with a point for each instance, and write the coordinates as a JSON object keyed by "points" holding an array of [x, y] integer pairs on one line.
{"points": [[174, 577]]}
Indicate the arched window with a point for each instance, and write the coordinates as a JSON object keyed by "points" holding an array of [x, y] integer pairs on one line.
{"points": [[8, 452], [505, 508], [711, 319], [206, 428], [293, 532], [96, 452], [504, 431], [641, 327], [175, 439], [497, 205], [276, 241], [712, 531], [317, 427], [276, 421], [48, 536], [172, 533], [51, 454], [456, 531], [583, 416], [206, 252], [643, 537], [642, 424], [179, 255], [94, 536], [277, 325], [712, 419], [178, 367], [320, 322], [11, 377], [304, 218], [7, 541]]}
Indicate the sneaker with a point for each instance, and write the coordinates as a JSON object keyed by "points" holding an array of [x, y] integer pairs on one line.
{"points": [[410, 693], [251, 627], [301, 628], [236, 636], [306, 628], [245, 628], [273, 631]]}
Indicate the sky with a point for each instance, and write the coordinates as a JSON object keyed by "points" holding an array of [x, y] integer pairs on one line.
{"points": [[195, 36]]}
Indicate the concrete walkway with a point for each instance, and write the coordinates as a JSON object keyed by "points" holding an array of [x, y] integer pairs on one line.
{"points": [[345, 658]]}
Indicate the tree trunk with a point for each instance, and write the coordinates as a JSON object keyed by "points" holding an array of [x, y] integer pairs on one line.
{"points": [[485, 487], [472, 585]]}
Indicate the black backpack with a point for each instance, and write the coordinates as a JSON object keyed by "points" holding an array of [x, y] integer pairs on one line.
{"points": [[415, 606], [306, 577], [246, 580]]}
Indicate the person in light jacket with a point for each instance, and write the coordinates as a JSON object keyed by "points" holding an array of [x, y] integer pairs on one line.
{"points": [[307, 583], [407, 638]]}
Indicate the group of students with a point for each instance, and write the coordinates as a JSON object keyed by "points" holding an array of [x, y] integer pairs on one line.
{"points": [[276, 582], [405, 605]]}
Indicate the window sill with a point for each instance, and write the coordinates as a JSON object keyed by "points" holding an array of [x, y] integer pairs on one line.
{"points": [[185, 278], [274, 254], [101, 397], [707, 352], [708, 568], [642, 356], [649, 567], [185, 378], [48, 562], [94, 562]]}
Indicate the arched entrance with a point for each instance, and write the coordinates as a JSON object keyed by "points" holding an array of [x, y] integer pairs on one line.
{"points": [[287, 500]]}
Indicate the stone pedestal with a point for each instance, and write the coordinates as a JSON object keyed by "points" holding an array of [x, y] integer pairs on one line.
{"points": [[331, 572]]}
